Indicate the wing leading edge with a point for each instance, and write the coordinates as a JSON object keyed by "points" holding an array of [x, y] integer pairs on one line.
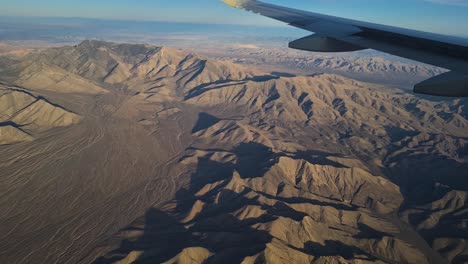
{"points": [[334, 34]]}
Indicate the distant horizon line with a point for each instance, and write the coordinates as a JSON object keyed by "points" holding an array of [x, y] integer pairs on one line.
{"points": [[279, 26], [146, 21]]}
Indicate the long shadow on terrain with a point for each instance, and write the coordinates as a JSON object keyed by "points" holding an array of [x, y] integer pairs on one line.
{"points": [[336, 248], [254, 159], [425, 178], [301, 200], [320, 158], [396, 134], [449, 226], [205, 87], [13, 124], [10, 123], [204, 121], [366, 232], [161, 233], [283, 74], [164, 237], [165, 234]]}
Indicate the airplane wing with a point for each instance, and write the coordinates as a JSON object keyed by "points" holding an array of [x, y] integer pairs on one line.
{"points": [[334, 34]]}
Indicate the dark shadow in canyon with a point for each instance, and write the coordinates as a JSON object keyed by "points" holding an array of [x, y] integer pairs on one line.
{"points": [[165, 234]]}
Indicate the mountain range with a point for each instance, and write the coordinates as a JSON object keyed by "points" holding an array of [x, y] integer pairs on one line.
{"points": [[132, 153], [368, 65]]}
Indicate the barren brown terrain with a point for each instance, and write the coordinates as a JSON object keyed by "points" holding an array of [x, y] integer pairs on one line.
{"points": [[125, 153]]}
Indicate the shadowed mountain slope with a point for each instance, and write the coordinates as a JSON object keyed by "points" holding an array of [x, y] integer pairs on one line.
{"points": [[22, 115]]}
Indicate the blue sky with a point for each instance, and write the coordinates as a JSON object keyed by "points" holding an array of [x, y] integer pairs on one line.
{"points": [[441, 16]]}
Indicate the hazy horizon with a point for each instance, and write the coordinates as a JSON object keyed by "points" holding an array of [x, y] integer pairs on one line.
{"points": [[437, 16]]}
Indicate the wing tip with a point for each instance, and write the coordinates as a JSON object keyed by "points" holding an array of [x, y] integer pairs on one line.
{"points": [[237, 3]]}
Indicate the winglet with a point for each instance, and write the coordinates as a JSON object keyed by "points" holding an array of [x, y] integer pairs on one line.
{"points": [[237, 3]]}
